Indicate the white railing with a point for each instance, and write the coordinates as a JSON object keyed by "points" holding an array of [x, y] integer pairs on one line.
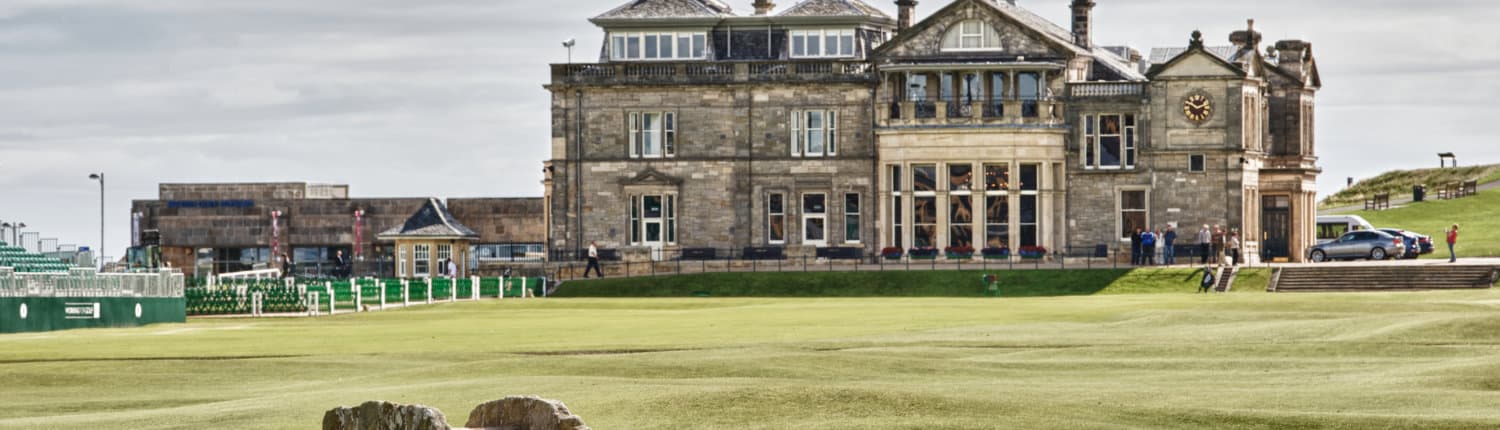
{"points": [[1109, 89]]}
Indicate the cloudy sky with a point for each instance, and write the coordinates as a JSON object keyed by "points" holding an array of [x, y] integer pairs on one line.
{"points": [[444, 98]]}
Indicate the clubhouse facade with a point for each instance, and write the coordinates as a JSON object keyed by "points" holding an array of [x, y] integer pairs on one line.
{"points": [[830, 124]]}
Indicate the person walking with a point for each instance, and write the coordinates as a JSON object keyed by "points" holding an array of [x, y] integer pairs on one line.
{"points": [[1169, 240], [340, 264], [1208, 279], [1203, 244], [452, 269], [286, 265], [1218, 242], [1232, 247], [1452, 240], [1135, 247], [1148, 248], [593, 261]]}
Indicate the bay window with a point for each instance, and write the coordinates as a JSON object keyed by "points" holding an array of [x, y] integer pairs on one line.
{"points": [[658, 46], [822, 43]]}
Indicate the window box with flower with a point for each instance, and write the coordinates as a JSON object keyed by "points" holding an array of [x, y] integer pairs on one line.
{"points": [[922, 253], [891, 253], [959, 252], [1033, 252]]}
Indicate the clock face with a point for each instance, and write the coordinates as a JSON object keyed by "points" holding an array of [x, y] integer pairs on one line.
{"points": [[1197, 108]]}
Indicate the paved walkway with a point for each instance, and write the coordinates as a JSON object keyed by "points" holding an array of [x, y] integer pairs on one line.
{"points": [[1396, 202]]}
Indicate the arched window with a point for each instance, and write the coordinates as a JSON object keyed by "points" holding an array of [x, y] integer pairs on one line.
{"points": [[971, 35]]}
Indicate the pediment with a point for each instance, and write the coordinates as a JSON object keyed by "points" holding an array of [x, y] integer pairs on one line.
{"points": [[1018, 35], [652, 177], [1196, 63]]}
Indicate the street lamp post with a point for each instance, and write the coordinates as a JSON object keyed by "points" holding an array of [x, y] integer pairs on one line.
{"points": [[15, 231], [100, 177]]}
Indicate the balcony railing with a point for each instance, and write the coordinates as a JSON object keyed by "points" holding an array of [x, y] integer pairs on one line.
{"points": [[712, 72], [925, 109], [1106, 89]]}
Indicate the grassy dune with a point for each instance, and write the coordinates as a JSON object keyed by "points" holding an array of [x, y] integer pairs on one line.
{"points": [[1250, 361], [1399, 182], [1479, 227]]}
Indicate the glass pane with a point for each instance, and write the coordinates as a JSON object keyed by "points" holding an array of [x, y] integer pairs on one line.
{"points": [[997, 210], [997, 236], [959, 210], [669, 136], [815, 230], [619, 48], [896, 178], [960, 177], [1089, 149], [650, 136], [851, 228], [961, 236], [815, 132], [653, 232], [775, 204], [813, 47], [924, 177], [831, 44], [851, 203], [698, 42], [1195, 163], [945, 91], [666, 46], [777, 228], [1030, 180], [1109, 151], [898, 240], [1028, 86], [798, 45], [896, 209], [846, 44], [635, 46], [1131, 220], [1109, 124], [651, 46], [1028, 209], [996, 177], [684, 46], [924, 210], [925, 237], [1028, 235], [917, 88], [813, 204], [1133, 200], [653, 206]]}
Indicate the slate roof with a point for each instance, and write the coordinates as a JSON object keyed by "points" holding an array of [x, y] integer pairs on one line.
{"points": [[833, 8], [650, 9], [1118, 64], [1036, 22], [1163, 55], [432, 220]]}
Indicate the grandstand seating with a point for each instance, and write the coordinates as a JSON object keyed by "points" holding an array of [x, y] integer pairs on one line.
{"points": [[28, 262]]}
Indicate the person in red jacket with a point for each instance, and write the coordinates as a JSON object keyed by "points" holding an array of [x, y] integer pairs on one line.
{"points": [[1452, 239]]}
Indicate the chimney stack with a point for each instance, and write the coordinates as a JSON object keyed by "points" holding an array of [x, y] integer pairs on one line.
{"points": [[1290, 55], [1083, 20], [905, 11], [763, 7]]}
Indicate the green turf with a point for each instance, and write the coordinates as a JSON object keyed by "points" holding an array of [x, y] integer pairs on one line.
{"points": [[1248, 361], [1013, 283], [1400, 182], [1479, 227]]}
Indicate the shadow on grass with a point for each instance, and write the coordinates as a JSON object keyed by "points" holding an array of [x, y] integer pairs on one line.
{"points": [[968, 283]]}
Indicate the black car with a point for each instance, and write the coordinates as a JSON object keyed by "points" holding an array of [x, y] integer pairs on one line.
{"points": [[1416, 244]]}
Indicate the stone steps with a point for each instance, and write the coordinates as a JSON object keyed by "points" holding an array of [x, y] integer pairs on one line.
{"points": [[1383, 278]]}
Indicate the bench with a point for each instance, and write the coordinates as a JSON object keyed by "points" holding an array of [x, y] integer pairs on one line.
{"points": [[762, 253], [1379, 202], [841, 253], [699, 254]]}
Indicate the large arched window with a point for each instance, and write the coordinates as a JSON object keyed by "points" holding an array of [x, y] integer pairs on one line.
{"points": [[971, 35]]}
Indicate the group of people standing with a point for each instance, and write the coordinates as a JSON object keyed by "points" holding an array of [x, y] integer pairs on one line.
{"points": [[1214, 245]]}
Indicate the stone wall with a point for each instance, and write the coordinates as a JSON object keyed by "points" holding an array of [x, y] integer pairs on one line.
{"points": [[502, 220]]}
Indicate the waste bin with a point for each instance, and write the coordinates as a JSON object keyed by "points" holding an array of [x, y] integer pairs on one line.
{"points": [[1418, 192]]}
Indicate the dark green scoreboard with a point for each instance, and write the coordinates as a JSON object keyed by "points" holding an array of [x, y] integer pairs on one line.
{"points": [[32, 314]]}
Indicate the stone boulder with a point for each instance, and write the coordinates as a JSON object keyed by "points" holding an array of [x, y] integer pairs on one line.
{"points": [[524, 413], [375, 415]]}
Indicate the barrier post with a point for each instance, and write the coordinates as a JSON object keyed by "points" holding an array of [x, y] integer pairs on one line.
{"points": [[474, 287], [405, 293], [255, 301], [333, 299], [501, 293], [314, 308], [382, 293], [429, 290], [453, 289], [359, 294]]}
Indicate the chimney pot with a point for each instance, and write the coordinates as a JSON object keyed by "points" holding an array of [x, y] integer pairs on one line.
{"points": [[906, 11], [1083, 19], [763, 7]]}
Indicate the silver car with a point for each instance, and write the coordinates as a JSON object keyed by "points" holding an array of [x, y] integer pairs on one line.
{"points": [[1371, 244]]}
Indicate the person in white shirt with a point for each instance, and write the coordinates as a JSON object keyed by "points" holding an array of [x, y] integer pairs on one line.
{"points": [[452, 269], [593, 261]]}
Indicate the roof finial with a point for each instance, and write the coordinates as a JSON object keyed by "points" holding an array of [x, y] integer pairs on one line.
{"points": [[1197, 40]]}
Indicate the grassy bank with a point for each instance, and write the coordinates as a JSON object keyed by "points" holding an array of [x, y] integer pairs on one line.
{"points": [[1479, 232], [1399, 182], [1013, 283]]}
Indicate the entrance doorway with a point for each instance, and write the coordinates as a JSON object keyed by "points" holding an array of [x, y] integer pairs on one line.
{"points": [[1276, 227]]}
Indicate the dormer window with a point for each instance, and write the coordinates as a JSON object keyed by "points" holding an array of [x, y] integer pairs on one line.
{"points": [[971, 35], [658, 46], [822, 43]]}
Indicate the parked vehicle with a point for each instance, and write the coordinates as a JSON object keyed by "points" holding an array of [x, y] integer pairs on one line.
{"points": [[1333, 227], [1371, 244], [1416, 244]]}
